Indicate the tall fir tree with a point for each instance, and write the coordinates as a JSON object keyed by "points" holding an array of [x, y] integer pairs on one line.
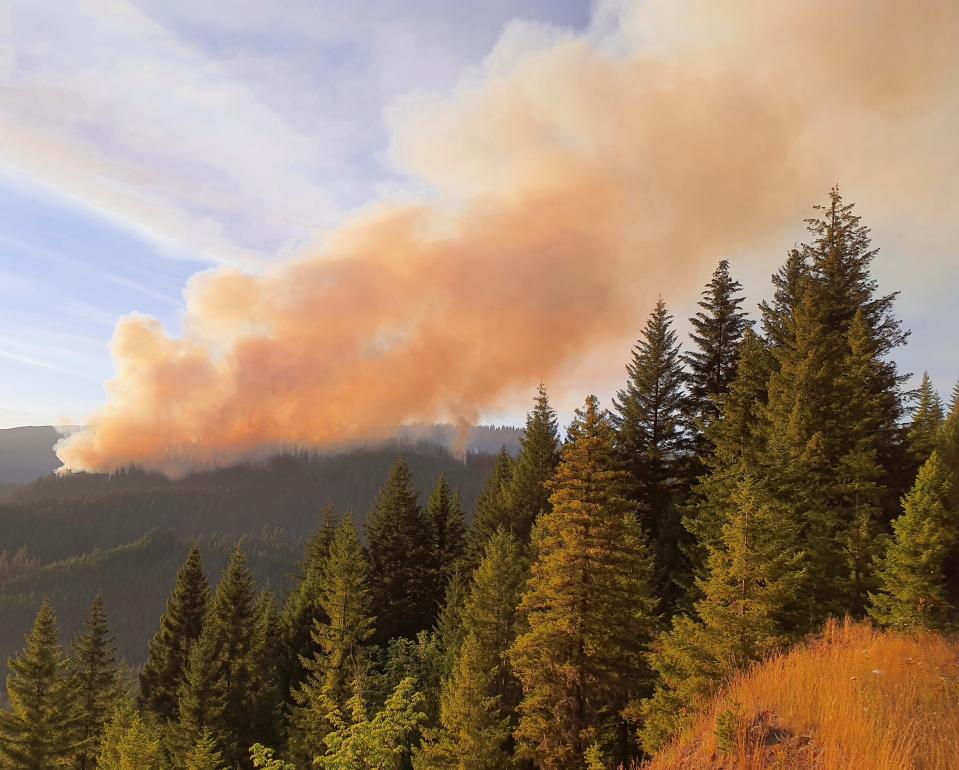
{"points": [[202, 701], [169, 650], [648, 416], [527, 495], [39, 729], [444, 513], [927, 421], [400, 559], [302, 605], [588, 605], [913, 592], [267, 655], [491, 511], [93, 677], [717, 330], [228, 652], [789, 285], [341, 641], [748, 608], [479, 700]]}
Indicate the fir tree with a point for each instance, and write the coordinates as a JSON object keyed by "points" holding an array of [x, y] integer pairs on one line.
{"points": [[203, 696], [169, 651], [267, 656], [717, 330], [588, 604], [444, 513], [491, 511], [94, 681], [39, 731], [913, 591], [478, 702], [130, 741], [748, 608], [648, 415], [340, 640], [527, 495], [926, 421], [302, 607], [789, 286], [204, 755], [450, 631], [399, 559]]}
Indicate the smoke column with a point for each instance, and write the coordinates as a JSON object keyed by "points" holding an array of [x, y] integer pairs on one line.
{"points": [[572, 178]]}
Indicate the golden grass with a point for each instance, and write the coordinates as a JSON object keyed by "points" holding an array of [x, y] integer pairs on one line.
{"points": [[853, 699]]}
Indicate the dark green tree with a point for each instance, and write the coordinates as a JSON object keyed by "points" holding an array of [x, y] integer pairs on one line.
{"points": [[527, 495], [491, 511], [400, 558], [94, 681], [789, 286], [588, 604], [716, 332], [927, 421], [913, 591], [169, 651], [39, 729], [444, 513]]}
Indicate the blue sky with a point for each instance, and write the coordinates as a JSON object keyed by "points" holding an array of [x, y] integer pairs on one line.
{"points": [[151, 140], [144, 141]]}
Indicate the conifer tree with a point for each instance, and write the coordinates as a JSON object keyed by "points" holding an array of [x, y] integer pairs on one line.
{"points": [[169, 651], [648, 416], [444, 512], [130, 741], [399, 559], [340, 640], [913, 592], [478, 703], [449, 632], [267, 656], [204, 755], [588, 604], [748, 608], [491, 511], [39, 730], [717, 330], [527, 494], [926, 421], [789, 285], [223, 694], [954, 401], [94, 681]]}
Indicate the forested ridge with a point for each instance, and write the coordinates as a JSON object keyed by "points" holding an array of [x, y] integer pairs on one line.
{"points": [[577, 611]]}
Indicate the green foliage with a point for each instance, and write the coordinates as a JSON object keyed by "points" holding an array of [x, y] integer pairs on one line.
{"points": [[527, 494], [913, 592], [263, 759], [927, 421], [93, 678], [444, 512], [169, 650], [204, 755], [399, 559], [492, 506], [39, 731], [588, 603], [380, 742], [130, 741]]}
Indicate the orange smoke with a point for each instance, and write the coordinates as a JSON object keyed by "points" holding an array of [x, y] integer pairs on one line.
{"points": [[574, 178]]}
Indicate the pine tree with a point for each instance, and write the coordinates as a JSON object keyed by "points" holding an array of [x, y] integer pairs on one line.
{"points": [[94, 681], [267, 655], [588, 604], [717, 330], [341, 640], [39, 731], [399, 559], [491, 511], [478, 703], [130, 741], [169, 651], [954, 401], [789, 286], [204, 755], [913, 591], [221, 688], [527, 495], [746, 610], [444, 512], [926, 421], [648, 416]]}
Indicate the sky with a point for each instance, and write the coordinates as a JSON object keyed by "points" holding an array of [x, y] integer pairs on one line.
{"points": [[154, 155]]}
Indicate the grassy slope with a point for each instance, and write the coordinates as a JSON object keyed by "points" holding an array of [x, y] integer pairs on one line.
{"points": [[855, 699]]}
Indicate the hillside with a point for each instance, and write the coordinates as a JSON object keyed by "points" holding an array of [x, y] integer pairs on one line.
{"points": [[854, 698], [27, 453], [125, 535]]}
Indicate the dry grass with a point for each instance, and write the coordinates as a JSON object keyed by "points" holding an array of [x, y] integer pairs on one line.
{"points": [[853, 699]]}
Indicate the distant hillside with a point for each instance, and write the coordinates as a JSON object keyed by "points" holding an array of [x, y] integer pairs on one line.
{"points": [[27, 453], [855, 699], [125, 534]]}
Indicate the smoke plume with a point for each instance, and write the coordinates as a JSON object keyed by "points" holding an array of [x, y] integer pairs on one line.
{"points": [[570, 179]]}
